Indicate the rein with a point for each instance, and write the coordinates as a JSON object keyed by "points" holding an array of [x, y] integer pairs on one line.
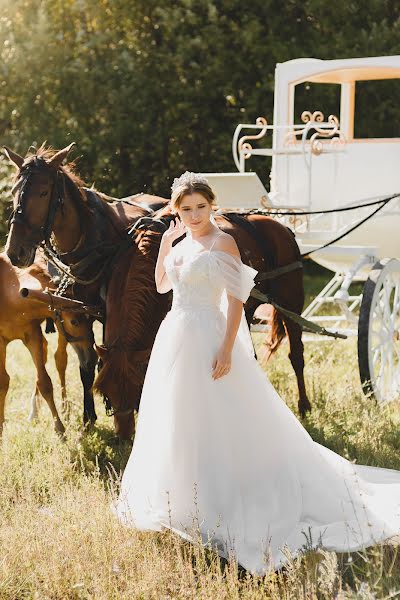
{"points": [[85, 256], [88, 252], [76, 263]]}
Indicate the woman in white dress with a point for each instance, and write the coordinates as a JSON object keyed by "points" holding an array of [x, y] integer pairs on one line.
{"points": [[217, 452]]}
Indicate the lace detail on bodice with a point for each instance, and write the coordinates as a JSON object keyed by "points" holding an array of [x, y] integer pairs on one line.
{"points": [[201, 279], [192, 284]]}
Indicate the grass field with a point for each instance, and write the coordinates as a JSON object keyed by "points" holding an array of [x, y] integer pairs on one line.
{"points": [[59, 541]]}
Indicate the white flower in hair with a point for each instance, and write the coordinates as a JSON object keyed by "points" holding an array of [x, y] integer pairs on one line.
{"points": [[188, 178]]}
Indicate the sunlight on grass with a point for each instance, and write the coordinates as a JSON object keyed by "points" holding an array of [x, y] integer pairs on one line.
{"points": [[59, 540]]}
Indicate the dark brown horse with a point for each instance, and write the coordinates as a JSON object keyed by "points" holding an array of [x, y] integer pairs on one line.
{"points": [[89, 234], [130, 330], [88, 228], [129, 335]]}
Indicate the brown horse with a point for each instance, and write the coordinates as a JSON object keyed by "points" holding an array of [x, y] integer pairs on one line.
{"points": [[130, 330], [88, 227], [50, 199], [21, 319], [130, 333]]}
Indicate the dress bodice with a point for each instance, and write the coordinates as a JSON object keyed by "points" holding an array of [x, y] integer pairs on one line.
{"points": [[201, 279], [192, 282]]}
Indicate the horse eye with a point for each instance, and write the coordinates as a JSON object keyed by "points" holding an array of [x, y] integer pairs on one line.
{"points": [[74, 322], [43, 194]]}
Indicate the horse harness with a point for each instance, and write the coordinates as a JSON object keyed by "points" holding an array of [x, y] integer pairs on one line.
{"points": [[264, 244], [42, 233], [74, 264]]}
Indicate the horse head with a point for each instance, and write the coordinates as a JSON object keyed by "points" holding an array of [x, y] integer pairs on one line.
{"points": [[134, 311], [120, 382], [38, 195]]}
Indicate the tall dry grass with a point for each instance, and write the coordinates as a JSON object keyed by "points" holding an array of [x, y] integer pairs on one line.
{"points": [[58, 539]]}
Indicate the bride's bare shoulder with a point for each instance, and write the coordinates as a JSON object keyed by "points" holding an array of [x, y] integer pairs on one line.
{"points": [[226, 243]]}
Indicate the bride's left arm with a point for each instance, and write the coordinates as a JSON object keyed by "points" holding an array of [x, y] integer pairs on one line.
{"points": [[222, 362]]}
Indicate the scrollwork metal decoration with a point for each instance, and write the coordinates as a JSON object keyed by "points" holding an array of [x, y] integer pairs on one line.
{"points": [[332, 131], [317, 116], [243, 144], [294, 221], [315, 139]]}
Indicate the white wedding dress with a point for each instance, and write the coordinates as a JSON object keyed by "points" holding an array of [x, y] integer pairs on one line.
{"points": [[227, 459]]}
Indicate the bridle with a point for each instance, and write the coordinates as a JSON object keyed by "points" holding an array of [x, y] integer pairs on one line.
{"points": [[110, 412], [39, 234], [71, 339]]}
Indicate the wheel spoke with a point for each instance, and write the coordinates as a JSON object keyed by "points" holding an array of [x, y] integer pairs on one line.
{"points": [[384, 333]]}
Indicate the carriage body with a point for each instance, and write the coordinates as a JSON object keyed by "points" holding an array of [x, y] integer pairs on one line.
{"points": [[331, 168], [323, 160]]}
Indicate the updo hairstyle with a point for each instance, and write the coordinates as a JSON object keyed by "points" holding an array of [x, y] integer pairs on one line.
{"points": [[187, 184]]}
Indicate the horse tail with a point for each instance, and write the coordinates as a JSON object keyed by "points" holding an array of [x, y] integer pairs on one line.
{"points": [[50, 325], [277, 332]]}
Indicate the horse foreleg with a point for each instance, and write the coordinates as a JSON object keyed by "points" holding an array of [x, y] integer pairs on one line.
{"points": [[4, 381], [87, 377], [296, 355], [37, 347], [35, 399], [87, 364], [61, 360]]}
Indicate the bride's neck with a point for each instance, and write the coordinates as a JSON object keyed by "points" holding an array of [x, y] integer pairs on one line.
{"points": [[200, 233]]}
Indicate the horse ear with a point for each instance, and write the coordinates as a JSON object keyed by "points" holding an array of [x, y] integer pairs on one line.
{"points": [[102, 351], [59, 157], [14, 157]]}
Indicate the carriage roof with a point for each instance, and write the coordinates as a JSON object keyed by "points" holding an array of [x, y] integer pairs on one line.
{"points": [[338, 71]]}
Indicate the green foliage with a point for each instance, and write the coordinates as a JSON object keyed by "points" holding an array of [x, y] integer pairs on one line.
{"points": [[6, 180], [148, 89]]}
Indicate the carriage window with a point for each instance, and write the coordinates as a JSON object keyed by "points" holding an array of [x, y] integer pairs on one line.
{"points": [[316, 97], [376, 112]]}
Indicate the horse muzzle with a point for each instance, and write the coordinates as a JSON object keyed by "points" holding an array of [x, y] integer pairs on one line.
{"points": [[22, 256]]}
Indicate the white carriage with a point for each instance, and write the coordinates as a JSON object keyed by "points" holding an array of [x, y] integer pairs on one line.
{"points": [[321, 164]]}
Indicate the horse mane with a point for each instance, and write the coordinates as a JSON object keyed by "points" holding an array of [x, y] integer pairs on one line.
{"points": [[45, 154], [39, 159], [139, 287], [132, 293]]}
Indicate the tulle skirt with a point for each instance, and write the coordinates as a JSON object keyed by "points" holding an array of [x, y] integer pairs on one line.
{"points": [[227, 462]]}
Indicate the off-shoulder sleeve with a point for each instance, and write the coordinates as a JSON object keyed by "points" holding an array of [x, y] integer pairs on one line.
{"points": [[237, 278]]}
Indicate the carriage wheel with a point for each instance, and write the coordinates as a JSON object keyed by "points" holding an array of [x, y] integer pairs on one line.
{"points": [[379, 332]]}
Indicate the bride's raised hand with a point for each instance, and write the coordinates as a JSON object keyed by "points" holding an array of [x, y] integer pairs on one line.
{"points": [[175, 230]]}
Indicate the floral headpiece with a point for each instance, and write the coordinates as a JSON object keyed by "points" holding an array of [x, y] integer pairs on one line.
{"points": [[188, 178]]}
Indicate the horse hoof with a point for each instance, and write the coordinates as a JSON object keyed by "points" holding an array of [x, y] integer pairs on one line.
{"points": [[88, 426], [59, 429], [89, 420], [304, 410]]}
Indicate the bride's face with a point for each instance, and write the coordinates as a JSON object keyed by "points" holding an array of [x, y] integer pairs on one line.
{"points": [[194, 211]]}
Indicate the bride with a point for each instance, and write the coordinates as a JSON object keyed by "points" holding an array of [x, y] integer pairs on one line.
{"points": [[217, 452]]}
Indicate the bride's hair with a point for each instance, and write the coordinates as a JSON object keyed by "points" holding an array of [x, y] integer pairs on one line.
{"points": [[190, 183]]}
